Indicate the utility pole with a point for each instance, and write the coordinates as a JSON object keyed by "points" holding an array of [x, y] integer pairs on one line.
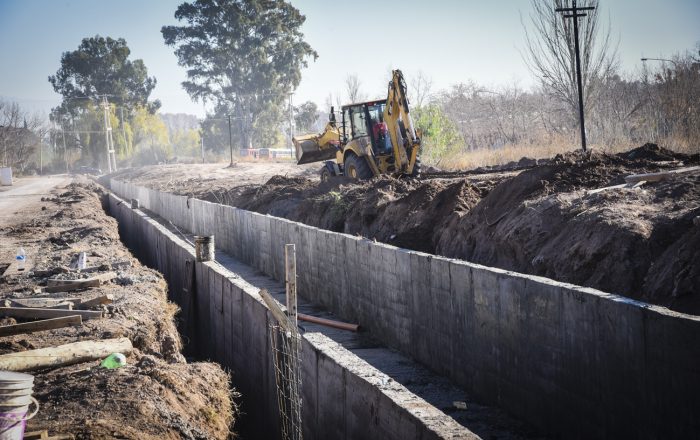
{"points": [[65, 152], [201, 138], [573, 12], [291, 127], [109, 142], [230, 140], [121, 110]]}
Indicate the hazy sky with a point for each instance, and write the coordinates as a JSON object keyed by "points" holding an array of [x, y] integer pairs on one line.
{"points": [[451, 41]]}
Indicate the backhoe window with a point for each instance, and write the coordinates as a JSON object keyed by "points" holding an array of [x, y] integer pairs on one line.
{"points": [[359, 123]]}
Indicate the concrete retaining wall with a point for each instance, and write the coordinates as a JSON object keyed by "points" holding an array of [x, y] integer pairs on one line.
{"points": [[225, 320], [576, 362]]}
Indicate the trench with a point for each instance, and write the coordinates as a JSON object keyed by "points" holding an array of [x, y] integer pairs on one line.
{"points": [[573, 362], [331, 391]]}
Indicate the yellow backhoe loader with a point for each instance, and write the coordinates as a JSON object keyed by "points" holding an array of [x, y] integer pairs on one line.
{"points": [[372, 138]]}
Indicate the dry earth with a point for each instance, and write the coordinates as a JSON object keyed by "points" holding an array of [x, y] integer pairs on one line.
{"points": [[158, 395], [537, 218]]}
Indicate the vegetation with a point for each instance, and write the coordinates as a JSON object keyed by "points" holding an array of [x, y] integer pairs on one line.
{"points": [[99, 70], [245, 56]]}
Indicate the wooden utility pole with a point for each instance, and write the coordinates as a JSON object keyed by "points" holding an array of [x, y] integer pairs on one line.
{"points": [[573, 12]]}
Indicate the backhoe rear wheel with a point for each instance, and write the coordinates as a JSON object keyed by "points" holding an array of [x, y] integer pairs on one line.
{"points": [[357, 167]]}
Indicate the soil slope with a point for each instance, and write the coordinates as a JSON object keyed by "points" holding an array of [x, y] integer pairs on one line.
{"points": [[639, 242]]}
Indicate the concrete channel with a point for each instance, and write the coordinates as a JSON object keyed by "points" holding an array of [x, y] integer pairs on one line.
{"points": [[572, 361]]}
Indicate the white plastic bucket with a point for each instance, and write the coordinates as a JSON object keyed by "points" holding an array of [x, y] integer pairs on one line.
{"points": [[13, 420], [6, 176], [15, 400]]}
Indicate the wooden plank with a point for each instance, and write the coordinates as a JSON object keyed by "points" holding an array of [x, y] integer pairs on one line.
{"points": [[58, 285], [105, 277], [275, 309], [597, 190], [75, 285], [12, 269], [62, 355], [48, 303], [100, 300], [655, 177], [40, 313], [37, 326], [36, 435]]}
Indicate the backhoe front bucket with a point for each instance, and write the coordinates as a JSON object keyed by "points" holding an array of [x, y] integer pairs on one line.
{"points": [[309, 151]]}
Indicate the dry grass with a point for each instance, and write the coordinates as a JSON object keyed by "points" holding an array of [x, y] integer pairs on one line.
{"points": [[513, 153]]}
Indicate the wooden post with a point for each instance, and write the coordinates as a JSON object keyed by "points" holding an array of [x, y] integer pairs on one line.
{"points": [[290, 259]]}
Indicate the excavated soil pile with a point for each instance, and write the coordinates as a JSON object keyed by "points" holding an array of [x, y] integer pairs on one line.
{"points": [[158, 395], [639, 242]]}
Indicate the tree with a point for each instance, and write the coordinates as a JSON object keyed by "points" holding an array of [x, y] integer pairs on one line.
{"points": [[243, 55], [440, 136], [305, 116], [420, 89], [21, 134], [101, 66], [550, 52], [352, 88]]}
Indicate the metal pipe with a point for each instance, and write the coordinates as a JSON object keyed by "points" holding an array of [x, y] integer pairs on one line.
{"points": [[328, 322]]}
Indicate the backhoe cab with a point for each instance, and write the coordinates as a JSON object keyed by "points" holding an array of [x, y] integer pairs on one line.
{"points": [[371, 138]]}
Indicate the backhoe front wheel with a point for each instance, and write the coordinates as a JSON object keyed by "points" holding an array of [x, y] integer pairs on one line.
{"points": [[356, 167], [325, 174]]}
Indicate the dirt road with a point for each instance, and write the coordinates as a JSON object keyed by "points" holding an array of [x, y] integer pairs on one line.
{"points": [[24, 192]]}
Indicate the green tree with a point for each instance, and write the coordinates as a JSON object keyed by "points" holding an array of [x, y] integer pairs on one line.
{"points": [[186, 143], [440, 135], [305, 116], [242, 55], [151, 142], [101, 66]]}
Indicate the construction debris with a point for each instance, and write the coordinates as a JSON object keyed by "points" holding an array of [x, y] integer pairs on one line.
{"points": [[141, 315], [36, 326], [39, 313], [63, 355]]}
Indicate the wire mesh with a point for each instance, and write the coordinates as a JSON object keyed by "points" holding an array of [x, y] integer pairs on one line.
{"points": [[286, 352]]}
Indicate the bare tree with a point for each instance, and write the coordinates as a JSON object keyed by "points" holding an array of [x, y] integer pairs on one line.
{"points": [[21, 135], [550, 52], [352, 88], [420, 89]]}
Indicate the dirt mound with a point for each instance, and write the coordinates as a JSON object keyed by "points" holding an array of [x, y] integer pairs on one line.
{"points": [[531, 216], [157, 395], [628, 241], [652, 152]]}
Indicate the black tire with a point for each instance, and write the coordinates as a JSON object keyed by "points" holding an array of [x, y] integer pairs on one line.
{"points": [[357, 167], [325, 174], [417, 168]]}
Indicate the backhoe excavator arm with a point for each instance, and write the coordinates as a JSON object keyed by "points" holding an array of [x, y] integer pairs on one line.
{"points": [[404, 139]]}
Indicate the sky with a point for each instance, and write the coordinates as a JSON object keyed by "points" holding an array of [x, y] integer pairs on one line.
{"points": [[449, 41]]}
